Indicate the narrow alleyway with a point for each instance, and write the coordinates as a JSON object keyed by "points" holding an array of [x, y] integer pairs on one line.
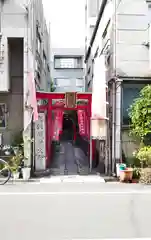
{"points": [[69, 160]]}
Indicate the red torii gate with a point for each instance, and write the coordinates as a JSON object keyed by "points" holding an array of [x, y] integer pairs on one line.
{"points": [[46, 105]]}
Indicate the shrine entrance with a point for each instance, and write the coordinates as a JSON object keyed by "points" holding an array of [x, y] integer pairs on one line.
{"points": [[62, 133]]}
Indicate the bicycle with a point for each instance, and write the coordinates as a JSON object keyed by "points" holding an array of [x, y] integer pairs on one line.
{"points": [[5, 172], [5, 167]]}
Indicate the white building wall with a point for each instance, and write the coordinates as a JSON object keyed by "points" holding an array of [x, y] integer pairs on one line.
{"points": [[19, 20], [132, 33]]}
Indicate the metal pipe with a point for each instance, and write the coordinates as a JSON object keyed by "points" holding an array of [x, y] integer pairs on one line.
{"points": [[113, 125], [118, 120]]}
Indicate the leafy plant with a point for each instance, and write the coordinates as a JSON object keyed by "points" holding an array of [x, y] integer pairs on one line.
{"points": [[136, 173], [15, 161], [145, 176], [140, 114], [133, 162], [52, 87], [144, 155]]}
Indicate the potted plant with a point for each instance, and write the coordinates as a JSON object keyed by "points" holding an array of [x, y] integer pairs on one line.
{"points": [[26, 170], [15, 162], [144, 155], [134, 162], [136, 174], [126, 174], [15, 172], [119, 167]]}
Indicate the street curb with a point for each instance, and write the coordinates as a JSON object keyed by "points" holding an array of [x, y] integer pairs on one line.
{"points": [[23, 181], [111, 180]]}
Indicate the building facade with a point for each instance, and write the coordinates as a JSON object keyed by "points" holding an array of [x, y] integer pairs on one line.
{"points": [[121, 37], [67, 68], [24, 49]]}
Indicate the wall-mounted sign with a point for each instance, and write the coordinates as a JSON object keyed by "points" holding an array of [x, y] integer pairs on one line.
{"points": [[70, 99]]}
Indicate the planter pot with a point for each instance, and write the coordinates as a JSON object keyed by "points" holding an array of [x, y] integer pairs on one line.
{"points": [[135, 180], [16, 175], [7, 153], [118, 168], [126, 175], [26, 173]]}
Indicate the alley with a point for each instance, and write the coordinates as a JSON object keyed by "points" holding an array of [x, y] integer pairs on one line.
{"points": [[74, 211], [69, 160]]}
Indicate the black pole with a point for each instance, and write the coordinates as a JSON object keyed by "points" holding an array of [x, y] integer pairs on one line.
{"points": [[32, 149]]}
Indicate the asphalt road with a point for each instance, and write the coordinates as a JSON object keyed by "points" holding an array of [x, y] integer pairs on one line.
{"points": [[74, 211]]}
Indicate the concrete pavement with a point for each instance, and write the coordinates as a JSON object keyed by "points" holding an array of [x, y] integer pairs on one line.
{"points": [[74, 211]]}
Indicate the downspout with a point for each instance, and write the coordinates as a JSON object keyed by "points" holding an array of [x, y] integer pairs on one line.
{"points": [[113, 125], [118, 144]]}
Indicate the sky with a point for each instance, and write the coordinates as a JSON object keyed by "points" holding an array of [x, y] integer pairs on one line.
{"points": [[67, 22]]}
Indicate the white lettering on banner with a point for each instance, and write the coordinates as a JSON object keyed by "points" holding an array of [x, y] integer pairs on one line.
{"points": [[81, 120], [40, 144]]}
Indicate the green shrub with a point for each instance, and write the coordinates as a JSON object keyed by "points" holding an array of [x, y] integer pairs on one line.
{"points": [[144, 155], [133, 162]]}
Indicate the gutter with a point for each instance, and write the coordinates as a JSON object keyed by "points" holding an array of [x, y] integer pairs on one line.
{"points": [[104, 2]]}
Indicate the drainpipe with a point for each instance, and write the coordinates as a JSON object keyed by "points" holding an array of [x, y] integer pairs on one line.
{"points": [[116, 123], [113, 125]]}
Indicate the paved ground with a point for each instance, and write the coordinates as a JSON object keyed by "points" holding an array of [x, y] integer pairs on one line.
{"points": [[69, 160], [74, 211]]}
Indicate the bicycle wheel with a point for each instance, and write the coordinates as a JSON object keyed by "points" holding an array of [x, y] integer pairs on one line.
{"points": [[5, 172]]}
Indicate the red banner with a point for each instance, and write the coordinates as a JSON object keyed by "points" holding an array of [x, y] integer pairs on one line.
{"points": [[57, 124], [82, 122], [87, 126]]}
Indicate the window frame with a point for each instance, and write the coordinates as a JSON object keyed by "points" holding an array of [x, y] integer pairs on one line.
{"points": [[75, 58], [125, 120]]}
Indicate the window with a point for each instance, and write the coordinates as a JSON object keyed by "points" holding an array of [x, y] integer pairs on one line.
{"points": [[38, 40], [106, 29], [79, 82], [38, 45], [91, 30], [78, 62], [62, 82], [130, 92], [63, 62], [44, 60], [2, 115]]}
